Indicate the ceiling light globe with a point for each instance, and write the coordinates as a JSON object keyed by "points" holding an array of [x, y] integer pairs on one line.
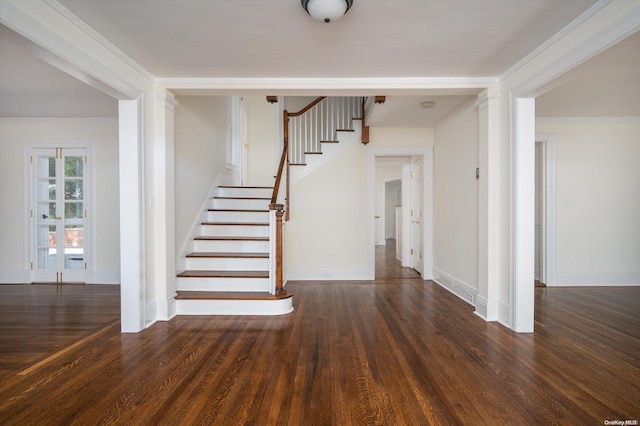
{"points": [[326, 10]]}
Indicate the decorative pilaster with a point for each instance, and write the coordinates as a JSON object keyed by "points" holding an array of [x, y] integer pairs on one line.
{"points": [[162, 204], [487, 300]]}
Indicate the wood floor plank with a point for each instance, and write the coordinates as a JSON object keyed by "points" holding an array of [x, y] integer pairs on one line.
{"points": [[396, 350]]}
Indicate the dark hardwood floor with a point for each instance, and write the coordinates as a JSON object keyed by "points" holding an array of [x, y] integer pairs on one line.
{"points": [[392, 352], [387, 266]]}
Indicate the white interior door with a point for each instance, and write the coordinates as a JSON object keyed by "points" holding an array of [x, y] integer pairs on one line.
{"points": [[417, 213], [58, 214]]}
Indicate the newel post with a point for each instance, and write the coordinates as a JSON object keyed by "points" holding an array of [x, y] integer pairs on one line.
{"points": [[279, 210]]}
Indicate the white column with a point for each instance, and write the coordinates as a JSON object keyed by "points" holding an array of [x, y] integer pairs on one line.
{"points": [[164, 205], [523, 215], [132, 247], [488, 299]]}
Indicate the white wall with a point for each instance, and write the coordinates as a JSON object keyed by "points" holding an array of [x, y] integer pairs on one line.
{"points": [[102, 135], [326, 236], [598, 202], [263, 154], [405, 136], [200, 157], [456, 201]]}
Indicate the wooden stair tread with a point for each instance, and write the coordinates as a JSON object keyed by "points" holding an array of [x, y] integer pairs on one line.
{"points": [[235, 223], [311, 152], [230, 255], [345, 130], [224, 274], [241, 198], [297, 164], [229, 295], [238, 210], [203, 238], [246, 187], [329, 141]]}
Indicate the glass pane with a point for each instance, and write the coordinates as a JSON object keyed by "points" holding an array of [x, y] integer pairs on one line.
{"points": [[74, 235], [46, 210], [73, 210], [74, 251], [73, 167], [52, 190], [52, 166], [47, 253], [73, 189], [46, 236], [73, 258], [47, 258]]}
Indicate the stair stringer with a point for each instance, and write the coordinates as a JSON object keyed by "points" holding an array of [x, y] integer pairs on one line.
{"points": [[329, 152], [188, 244]]}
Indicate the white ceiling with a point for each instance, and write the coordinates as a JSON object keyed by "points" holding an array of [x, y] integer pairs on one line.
{"points": [[275, 38]]}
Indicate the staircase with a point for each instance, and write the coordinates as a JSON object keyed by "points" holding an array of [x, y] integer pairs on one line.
{"points": [[228, 270]]}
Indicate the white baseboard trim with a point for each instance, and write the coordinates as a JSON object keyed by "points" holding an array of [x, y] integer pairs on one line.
{"points": [[151, 313], [461, 289], [597, 279], [95, 276], [234, 307], [504, 317], [326, 274], [487, 310], [162, 310]]}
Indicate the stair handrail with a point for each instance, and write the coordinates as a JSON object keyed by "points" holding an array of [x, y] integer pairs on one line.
{"points": [[283, 209], [284, 160]]}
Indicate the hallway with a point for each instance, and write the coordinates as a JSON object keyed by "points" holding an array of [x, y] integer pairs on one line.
{"points": [[388, 267]]}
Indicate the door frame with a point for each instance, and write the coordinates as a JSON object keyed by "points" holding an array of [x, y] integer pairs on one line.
{"points": [[89, 202], [415, 262], [401, 151], [548, 208]]}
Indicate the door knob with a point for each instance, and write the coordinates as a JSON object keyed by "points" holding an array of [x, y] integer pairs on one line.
{"points": [[44, 216]]}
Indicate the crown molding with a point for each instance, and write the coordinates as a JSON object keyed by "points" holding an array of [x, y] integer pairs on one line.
{"points": [[58, 120], [554, 39], [587, 120], [98, 38], [463, 85], [33, 21], [610, 34]]}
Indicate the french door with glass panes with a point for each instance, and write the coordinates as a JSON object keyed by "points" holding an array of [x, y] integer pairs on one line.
{"points": [[58, 214]]}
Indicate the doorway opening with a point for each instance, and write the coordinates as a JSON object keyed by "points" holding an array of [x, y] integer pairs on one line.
{"points": [[399, 206]]}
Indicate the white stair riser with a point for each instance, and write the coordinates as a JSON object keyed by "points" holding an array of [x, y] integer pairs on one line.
{"points": [[234, 307], [226, 264], [245, 192], [233, 231], [238, 204], [238, 217], [222, 284], [208, 246]]}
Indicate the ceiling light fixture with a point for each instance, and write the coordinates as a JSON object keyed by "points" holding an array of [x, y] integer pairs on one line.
{"points": [[326, 10], [428, 104]]}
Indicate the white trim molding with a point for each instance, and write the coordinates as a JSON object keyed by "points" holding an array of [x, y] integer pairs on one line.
{"points": [[329, 86], [458, 287], [326, 274], [587, 120], [549, 209]]}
